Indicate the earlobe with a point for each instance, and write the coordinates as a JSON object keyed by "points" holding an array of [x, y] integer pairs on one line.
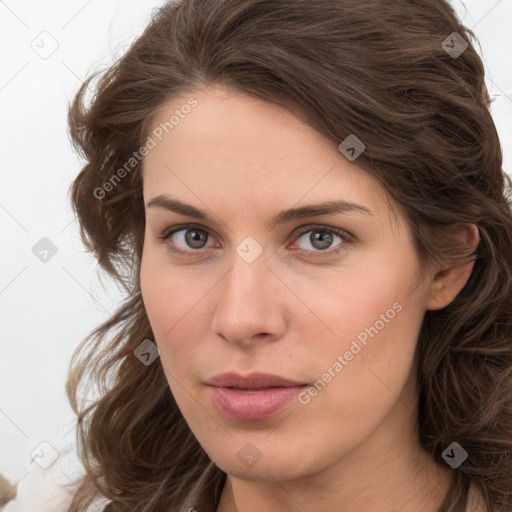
{"points": [[451, 278]]}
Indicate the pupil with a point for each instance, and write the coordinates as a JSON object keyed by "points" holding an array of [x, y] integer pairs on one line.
{"points": [[194, 238], [324, 239], [320, 239]]}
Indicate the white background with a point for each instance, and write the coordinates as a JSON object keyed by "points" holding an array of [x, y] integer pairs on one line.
{"points": [[46, 309]]}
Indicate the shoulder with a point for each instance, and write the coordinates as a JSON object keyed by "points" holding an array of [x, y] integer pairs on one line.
{"points": [[48, 483], [475, 501]]}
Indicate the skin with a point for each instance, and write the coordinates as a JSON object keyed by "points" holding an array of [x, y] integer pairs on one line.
{"points": [[354, 446]]}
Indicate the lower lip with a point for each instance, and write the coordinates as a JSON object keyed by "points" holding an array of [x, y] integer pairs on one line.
{"points": [[240, 405]]}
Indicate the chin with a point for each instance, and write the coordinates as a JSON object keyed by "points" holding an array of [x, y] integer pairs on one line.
{"points": [[263, 469], [259, 473]]}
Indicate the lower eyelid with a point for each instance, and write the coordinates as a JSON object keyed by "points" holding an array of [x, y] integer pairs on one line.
{"points": [[166, 237], [335, 251], [344, 236]]}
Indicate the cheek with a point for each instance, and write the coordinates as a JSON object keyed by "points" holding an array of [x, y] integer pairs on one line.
{"points": [[181, 301], [378, 296], [164, 289], [172, 298], [373, 316]]}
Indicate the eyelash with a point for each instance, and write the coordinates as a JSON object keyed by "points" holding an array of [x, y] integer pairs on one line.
{"points": [[344, 235]]}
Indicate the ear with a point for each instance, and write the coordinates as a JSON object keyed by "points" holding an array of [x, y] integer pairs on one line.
{"points": [[451, 277]]}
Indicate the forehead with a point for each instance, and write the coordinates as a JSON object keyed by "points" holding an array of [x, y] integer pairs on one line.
{"points": [[232, 145]]}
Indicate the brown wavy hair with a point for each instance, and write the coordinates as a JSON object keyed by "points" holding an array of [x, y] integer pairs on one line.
{"points": [[376, 69]]}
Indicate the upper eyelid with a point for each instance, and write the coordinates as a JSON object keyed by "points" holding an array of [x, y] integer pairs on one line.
{"points": [[299, 231]]}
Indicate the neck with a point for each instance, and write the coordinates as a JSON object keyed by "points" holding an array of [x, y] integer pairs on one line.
{"points": [[421, 491], [389, 471]]}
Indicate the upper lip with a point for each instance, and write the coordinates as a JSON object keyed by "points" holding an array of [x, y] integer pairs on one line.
{"points": [[256, 380]]}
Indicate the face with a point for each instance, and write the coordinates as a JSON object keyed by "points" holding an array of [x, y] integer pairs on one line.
{"points": [[328, 302]]}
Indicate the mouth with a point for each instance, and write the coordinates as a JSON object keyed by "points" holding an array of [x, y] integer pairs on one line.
{"points": [[253, 397], [256, 381], [242, 390]]}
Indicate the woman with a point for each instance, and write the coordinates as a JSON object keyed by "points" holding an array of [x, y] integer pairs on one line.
{"points": [[306, 206]]}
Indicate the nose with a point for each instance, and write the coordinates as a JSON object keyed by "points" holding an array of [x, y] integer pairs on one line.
{"points": [[251, 305]]}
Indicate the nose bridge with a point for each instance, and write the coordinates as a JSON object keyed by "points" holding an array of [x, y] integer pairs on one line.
{"points": [[247, 305]]}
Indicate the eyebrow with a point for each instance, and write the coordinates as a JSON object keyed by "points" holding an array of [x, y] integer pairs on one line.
{"points": [[312, 210]]}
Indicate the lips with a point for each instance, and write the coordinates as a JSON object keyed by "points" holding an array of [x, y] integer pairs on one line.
{"points": [[252, 397], [254, 381]]}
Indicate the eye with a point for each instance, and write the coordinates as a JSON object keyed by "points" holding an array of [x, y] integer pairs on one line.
{"points": [[321, 239], [186, 239]]}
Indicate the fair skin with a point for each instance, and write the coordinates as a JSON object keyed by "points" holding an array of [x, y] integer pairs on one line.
{"points": [[353, 446]]}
